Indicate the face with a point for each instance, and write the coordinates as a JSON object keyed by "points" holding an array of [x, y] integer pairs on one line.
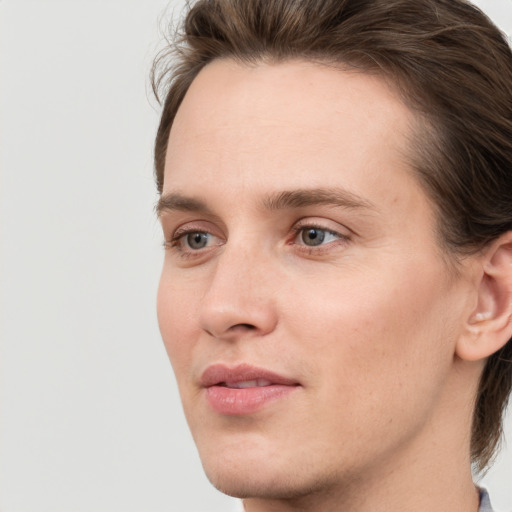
{"points": [[304, 302]]}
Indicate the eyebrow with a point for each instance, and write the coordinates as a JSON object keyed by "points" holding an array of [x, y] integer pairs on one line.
{"points": [[319, 196], [286, 199], [179, 202]]}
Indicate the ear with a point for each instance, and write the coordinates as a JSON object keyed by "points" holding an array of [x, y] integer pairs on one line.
{"points": [[489, 327]]}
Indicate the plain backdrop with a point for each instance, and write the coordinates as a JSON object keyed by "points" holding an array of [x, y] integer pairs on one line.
{"points": [[90, 418]]}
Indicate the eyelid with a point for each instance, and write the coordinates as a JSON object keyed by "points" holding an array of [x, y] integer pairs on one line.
{"points": [[175, 230], [180, 234], [324, 224], [300, 230], [176, 239], [343, 234]]}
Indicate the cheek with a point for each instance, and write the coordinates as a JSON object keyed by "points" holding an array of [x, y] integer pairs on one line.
{"points": [[175, 309], [381, 334], [386, 363]]}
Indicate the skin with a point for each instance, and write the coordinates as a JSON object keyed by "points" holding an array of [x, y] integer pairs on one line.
{"points": [[368, 322]]}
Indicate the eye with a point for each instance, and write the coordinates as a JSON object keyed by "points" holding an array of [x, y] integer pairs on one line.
{"points": [[194, 240], [188, 242], [197, 240], [313, 236]]}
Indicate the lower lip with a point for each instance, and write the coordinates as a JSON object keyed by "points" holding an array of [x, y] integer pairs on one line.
{"points": [[232, 401]]}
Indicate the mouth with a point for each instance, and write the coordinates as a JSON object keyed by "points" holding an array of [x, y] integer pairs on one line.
{"points": [[256, 383], [244, 389]]}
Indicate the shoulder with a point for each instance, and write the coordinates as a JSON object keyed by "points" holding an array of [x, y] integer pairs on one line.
{"points": [[485, 502]]}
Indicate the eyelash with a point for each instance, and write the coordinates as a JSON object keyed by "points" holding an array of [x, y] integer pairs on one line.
{"points": [[177, 243], [318, 249]]}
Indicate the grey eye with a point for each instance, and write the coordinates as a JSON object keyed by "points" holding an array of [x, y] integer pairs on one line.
{"points": [[313, 236], [197, 240]]}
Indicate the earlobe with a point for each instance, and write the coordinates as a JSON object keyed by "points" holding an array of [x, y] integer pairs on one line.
{"points": [[489, 326]]}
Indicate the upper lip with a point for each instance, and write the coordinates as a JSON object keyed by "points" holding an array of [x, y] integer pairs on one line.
{"points": [[221, 374]]}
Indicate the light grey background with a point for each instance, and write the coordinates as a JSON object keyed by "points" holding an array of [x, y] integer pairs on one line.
{"points": [[90, 418]]}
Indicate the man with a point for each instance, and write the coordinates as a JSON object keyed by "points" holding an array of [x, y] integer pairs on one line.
{"points": [[336, 295]]}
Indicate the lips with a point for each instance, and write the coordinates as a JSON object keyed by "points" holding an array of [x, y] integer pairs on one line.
{"points": [[243, 389], [219, 374]]}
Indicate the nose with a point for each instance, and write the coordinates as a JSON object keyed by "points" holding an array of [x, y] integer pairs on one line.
{"points": [[240, 299]]}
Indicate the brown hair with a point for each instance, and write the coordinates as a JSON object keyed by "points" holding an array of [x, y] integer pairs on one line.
{"points": [[451, 65]]}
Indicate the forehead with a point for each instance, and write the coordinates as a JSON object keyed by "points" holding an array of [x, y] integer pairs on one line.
{"points": [[288, 125], [284, 108]]}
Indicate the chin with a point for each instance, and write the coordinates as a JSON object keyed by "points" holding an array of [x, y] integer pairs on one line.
{"points": [[268, 476], [253, 484], [238, 471]]}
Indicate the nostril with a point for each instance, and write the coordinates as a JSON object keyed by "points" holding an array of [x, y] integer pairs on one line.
{"points": [[244, 326], [234, 330]]}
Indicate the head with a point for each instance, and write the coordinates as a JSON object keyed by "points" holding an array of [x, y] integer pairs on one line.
{"points": [[432, 82]]}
